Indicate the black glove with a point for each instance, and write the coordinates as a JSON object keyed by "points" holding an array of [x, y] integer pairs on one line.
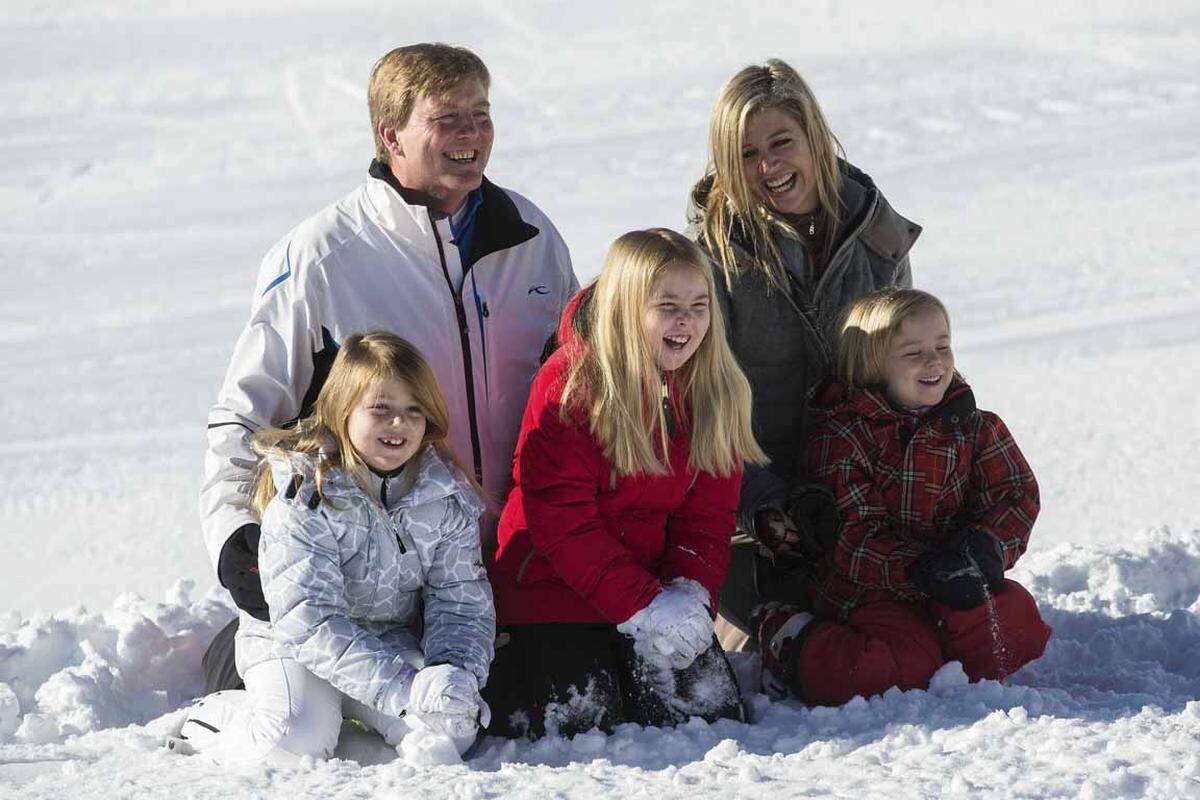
{"points": [[984, 550], [813, 511], [776, 532], [237, 569], [949, 578]]}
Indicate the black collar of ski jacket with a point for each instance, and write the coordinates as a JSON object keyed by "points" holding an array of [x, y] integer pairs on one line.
{"points": [[498, 224]]}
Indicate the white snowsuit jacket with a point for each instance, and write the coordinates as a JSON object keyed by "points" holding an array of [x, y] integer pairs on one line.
{"points": [[346, 580], [373, 261]]}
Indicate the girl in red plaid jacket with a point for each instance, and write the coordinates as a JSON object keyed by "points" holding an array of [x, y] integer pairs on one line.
{"points": [[937, 502]]}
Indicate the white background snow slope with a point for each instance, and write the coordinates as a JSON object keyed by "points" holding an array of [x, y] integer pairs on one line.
{"points": [[150, 153]]}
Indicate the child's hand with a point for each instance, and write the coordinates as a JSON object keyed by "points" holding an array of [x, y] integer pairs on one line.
{"points": [[949, 578], [981, 548]]}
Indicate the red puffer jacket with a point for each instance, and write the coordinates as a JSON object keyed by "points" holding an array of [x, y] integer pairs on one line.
{"points": [[905, 483], [576, 544]]}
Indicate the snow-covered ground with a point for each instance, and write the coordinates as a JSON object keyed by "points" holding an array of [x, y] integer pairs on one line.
{"points": [[150, 153]]}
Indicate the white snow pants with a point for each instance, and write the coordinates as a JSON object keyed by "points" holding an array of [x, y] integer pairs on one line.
{"points": [[285, 712]]}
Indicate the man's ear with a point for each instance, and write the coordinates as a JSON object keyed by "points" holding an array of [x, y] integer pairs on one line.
{"points": [[387, 135]]}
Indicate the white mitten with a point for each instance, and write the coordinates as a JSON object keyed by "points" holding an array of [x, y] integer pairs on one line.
{"points": [[674, 628], [432, 734], [444, 701], [447, 689]]}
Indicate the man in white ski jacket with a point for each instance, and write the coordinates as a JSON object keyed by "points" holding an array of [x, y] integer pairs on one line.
{"points": [[474, 275]]}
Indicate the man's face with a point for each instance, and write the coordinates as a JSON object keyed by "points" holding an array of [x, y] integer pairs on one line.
{"points": [[444, 148]]}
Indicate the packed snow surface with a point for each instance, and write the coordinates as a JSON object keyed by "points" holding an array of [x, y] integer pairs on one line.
{"points": [[151, 153]]}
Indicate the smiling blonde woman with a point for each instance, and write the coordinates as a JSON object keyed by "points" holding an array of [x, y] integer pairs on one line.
{"points": [[795, 233]]}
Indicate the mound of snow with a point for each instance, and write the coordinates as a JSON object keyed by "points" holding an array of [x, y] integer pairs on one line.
{"points": [[1155, 573], [76, 672]]}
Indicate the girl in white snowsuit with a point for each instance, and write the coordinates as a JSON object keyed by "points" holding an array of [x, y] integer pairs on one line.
{"points": [[370, 561]]}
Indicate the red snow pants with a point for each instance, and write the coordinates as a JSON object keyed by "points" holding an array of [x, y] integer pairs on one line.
{"points": [[893, 643]]}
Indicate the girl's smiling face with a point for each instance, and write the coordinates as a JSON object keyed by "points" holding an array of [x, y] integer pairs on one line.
{"points": [[676, 316], [386, 426], [920, 363]]}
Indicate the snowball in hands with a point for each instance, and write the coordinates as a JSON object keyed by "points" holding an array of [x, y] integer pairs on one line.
{"points": [[674, 628]]}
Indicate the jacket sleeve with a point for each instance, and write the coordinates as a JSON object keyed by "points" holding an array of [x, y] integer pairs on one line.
{"points": [[867, 552], [271, 368], [1004, 497], [561, 472], [761, 489], [698, 533], [460, 618], [299, 560]]}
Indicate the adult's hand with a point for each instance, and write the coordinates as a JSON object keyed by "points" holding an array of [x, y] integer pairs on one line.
{"points": [[237, 569], [813, 511]]}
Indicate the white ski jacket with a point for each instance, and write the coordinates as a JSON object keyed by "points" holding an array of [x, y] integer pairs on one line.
{"points": [[365, 589], [373, 261]]}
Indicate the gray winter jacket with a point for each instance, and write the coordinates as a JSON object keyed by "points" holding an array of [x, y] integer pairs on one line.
{"points": [[784, 343], [364, 595]]}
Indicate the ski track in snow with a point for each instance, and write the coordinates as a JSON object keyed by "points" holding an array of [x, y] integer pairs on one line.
{"points": [[149, 156]]}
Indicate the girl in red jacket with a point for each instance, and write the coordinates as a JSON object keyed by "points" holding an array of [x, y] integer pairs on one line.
{"points": [[937, 503], [615, 539]]}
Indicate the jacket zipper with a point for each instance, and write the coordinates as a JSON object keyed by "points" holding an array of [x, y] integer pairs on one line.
{"points": [[465, 340], [811, 316], [387, 515]]}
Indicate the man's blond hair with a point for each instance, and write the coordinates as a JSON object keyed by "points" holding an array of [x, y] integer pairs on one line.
{"points": [[414, 71]]}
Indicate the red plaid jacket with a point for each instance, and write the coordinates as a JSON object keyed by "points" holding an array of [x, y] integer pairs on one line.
{"points": [[905, 483]]}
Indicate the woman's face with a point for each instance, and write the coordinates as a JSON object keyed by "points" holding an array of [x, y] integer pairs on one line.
{"points": [[676, 316], [386, 426], [778, 162], [920, 362]]}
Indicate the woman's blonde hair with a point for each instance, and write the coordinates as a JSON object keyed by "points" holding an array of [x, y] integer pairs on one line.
{"points": [[732, 206], [363, 361], [869, 328], [615, 379]]}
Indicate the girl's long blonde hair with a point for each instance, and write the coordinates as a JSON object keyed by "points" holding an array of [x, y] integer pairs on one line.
{"points": [[869, 328], [363, 361], [732, 206], [615, 380]]}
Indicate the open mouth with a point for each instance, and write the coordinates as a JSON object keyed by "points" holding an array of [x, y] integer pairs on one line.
{"points": [[677, 342], [930, 381], [393, 443], [781, 185], [462, 156]]}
